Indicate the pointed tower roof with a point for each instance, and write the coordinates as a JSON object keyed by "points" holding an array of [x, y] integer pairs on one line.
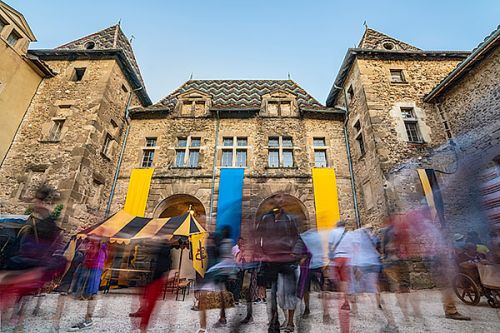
{"points": [[375, 40], [111, 38]]}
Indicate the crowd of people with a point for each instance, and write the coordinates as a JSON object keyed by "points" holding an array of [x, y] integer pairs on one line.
{"points": [[276, 264]]}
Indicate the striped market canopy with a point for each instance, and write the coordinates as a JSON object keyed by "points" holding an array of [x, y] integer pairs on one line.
{"points": [[123, 228]]}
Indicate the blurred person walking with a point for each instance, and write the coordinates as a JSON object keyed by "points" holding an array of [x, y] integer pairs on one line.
{"points": [[89, 279], [340, 251], [275, 236], [160, 249]]}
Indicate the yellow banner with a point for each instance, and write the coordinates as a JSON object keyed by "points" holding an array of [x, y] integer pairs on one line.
{"points": [[138, 191], [200, 257], [325, 197], [429, 196]]}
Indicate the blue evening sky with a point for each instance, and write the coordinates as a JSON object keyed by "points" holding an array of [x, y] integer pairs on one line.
{"points": [[257, 39]]}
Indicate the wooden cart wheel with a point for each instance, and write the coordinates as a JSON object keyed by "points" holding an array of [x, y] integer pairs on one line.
{"points": [[494, 299], [466, 289]]}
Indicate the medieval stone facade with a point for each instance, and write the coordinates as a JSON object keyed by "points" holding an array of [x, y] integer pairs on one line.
{"points": [[236, 123], [406, 109], [71, 134]]}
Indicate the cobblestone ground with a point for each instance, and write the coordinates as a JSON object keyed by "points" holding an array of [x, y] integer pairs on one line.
{"points": [[111, 315]]}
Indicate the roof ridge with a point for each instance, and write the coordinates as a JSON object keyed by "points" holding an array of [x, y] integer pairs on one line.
{"points": [[86, 36]]}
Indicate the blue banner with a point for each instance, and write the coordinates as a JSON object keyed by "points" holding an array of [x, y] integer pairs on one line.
{"points": [[230, 198]]}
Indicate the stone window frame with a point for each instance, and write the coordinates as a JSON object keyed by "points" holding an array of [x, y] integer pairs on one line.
{"points": [[368, 195], [403, 75], [13, 38], [187, 150], [107, 146], [148, 151], [280, 96], [233, 148], [412, 120], [55, 129], [350, 93], [359, 137], [78, 73], [3, 24], [193, 96], [419, 119], [322, 148], [280, 148]]}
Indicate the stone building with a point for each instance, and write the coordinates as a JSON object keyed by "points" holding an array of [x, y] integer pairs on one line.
{"points": [[391, 129], [71, 134], [20, 73], [469, 100], [273, 129]]}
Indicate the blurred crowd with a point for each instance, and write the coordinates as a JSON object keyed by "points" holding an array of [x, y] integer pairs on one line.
{"points": [[278, 264]]}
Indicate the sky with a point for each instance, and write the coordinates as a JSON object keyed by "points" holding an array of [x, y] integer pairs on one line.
{"points": [[257, 39]]}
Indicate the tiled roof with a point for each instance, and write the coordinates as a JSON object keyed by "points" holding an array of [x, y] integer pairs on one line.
{"points": [[491, 41], [373, 39], [239, 94], [107, 39]]}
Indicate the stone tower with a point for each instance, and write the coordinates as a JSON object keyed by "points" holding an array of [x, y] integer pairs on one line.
{"points": [[391, 128], [73, 130]]}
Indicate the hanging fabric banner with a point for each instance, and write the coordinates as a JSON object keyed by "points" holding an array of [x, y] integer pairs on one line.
{"points": [[325, 197], [229, 201], [199, 252], [138, 191], [432, 194]]}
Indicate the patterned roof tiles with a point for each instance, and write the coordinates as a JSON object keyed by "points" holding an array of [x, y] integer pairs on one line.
{"points": [[240, 94]]}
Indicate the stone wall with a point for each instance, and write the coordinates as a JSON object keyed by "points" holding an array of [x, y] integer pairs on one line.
{"points": [[74, 164], [260, 181], [376, 105], [472, 108]]}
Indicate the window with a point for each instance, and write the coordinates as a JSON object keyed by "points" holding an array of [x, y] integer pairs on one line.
{"points": [[13, 38], [350, 93], [89, 45], [192, 107], [411, 125], [55, 132], [2, 24], [280, 152], [147, 158], [367, 195], [124, 88], [234, 152], [320, 160], [107, 145], [150, 142], [78, 74], [358, 135], [148, 153], [388, 45], [397, 76], [279, 108], [187, 153]]}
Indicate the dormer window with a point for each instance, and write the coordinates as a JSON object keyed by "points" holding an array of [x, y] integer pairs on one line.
{"points": [[192, 107], [279, 104], [279, 108], [13, 38], [2, 24], [193, 103], [388, 46], [89, 45]]}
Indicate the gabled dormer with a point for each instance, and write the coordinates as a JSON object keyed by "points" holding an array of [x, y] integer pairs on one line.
{"points": [[14, 30], [193, 103], [279, 103]]}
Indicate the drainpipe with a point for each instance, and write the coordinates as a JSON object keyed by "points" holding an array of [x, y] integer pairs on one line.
{"points": [[214, 167], [349, 159], [122, 151]]}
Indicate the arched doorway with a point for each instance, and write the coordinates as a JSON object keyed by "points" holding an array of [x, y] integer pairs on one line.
{"points": [[179, 204], [290, 204]]}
